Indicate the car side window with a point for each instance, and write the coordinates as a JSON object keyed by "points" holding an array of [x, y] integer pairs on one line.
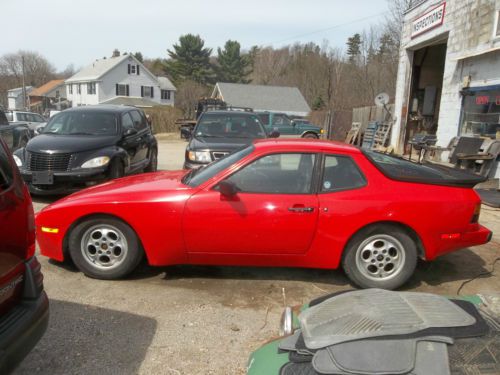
{"points": [[139, 120], [127, 122], [341, 173], [38, 118], [21, 117], [289, 173]]}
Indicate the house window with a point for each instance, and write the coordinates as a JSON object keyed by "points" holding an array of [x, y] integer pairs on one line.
{"points": [[79, 88], [147, 91], [91, 88], [133, 69], [122, 90], [165, 94], [70, 88]]}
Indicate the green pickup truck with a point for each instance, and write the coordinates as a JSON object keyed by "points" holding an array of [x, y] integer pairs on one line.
{"points": [[289, 127]]}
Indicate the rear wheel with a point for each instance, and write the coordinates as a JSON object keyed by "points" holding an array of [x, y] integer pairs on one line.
{"points": [[104, 248], [153, 161], [381, 256], [310, 136]]}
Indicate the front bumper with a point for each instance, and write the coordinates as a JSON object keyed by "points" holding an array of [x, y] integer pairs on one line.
{"points": [[66, 182]]}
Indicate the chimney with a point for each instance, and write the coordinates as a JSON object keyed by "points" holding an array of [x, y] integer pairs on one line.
{"points": [[116, 53]]}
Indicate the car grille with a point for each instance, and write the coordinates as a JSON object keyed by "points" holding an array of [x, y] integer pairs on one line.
{"points": [[48, 162], [219, 154]]}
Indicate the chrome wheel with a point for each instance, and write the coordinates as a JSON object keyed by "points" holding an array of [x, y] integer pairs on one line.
{"points": [[104, 246], [380, 257]]}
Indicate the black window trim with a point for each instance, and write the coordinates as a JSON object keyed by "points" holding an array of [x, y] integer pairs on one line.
{"points": [[322, 171], [312, 189]]}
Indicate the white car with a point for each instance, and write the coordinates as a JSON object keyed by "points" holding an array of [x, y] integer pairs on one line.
{"points": [[33, 120]]}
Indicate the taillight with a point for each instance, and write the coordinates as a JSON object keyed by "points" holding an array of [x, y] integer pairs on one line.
{"points": [[475, 216]]}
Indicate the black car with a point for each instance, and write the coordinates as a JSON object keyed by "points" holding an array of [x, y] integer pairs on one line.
{"points": [[24, 307], [219, 133], [84, 146]]}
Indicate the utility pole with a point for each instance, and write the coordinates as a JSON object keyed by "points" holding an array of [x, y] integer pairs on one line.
{"points": [[24, 85]]}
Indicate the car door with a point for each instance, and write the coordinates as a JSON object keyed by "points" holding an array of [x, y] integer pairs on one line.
{"points": [[141, 125], [283, 124], [131, 141], [274, 212]]}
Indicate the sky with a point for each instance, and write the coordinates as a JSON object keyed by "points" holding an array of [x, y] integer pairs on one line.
{"points": [[79, 31]]}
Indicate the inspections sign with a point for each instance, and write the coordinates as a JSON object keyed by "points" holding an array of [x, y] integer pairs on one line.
{"points": [[428, 21]]}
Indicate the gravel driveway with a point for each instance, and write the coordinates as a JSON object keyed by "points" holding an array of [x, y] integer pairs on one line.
{"points": [[203, 320]]}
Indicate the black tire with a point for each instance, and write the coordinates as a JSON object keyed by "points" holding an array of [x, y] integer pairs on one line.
{"points": [[119, 247], [116, 169], [153, 161], [381, 256], [310, 136]]}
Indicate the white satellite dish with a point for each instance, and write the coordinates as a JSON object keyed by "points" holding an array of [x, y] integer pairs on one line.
{"points": [[382, 99]]}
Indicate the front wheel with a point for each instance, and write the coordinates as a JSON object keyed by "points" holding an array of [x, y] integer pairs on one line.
{"points": [[380, 257], [310, 136], [104, 248]]}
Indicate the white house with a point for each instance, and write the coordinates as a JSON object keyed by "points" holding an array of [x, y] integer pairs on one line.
{"points": [[16, 99], [120, 79]]}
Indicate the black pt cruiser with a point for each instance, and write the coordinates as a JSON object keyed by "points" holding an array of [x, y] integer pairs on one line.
{"points": [[83, 146]]}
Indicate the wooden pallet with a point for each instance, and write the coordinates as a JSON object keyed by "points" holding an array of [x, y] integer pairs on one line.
{"points": [[353, 134]]}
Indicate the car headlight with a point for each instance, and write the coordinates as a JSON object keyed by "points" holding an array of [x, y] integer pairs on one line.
{"points": [[199, 156], [18, 161], [96, 162], [321, 131]]}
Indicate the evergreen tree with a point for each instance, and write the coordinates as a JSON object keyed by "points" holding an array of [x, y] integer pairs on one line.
{"points": [[232, 66], [138, 56], [190, 60], [354, 47], [318, 103]]}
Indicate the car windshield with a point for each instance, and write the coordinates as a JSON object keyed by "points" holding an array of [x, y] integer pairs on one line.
{"points": [[229, 125], [196, 177], [82, 123]]}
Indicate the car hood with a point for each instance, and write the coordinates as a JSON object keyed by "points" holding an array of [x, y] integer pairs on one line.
{"points": [[69, 143], [145, 186], [222, 144]]}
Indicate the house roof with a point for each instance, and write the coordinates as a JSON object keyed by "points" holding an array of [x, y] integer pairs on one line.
{"points": [[97, 69], [131, 100], [166, 84], [263, 98], [18, 91], [46, 88]]}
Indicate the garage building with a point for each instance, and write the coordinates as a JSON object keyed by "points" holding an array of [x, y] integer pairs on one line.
{"points": [[449, 71]]}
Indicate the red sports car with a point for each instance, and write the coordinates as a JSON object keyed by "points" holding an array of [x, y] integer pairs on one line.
{"points": [[297, 203]]}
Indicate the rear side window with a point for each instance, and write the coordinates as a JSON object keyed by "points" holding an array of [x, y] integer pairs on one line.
{"points": [[341, 173], [6, 173]]}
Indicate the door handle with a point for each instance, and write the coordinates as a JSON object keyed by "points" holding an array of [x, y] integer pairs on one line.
{"points": [[301, 209]]}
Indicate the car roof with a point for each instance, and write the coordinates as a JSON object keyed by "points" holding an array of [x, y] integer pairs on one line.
{"points": [[102, 108], [314, 145], [222, 112]]}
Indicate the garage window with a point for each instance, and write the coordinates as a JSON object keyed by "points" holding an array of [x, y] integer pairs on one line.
{"points": [[341, 173], [289, 173], [481, 112]]}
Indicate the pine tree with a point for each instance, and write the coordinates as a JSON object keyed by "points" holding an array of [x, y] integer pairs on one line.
{"points": [[138, 56], [232, 66], [354, 47], [190, 60]]}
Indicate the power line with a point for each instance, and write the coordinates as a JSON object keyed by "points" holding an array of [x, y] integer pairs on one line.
{"points": [[330, 28]]}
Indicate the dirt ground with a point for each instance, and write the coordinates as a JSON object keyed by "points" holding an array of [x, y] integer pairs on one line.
{"points": [[205, 320]]}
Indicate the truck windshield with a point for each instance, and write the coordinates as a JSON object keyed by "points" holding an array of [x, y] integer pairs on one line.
{"points": [[229, 125], [82, 123]]}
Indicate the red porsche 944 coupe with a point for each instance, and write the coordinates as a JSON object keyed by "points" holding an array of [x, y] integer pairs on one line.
{"points": [[296, 203]]}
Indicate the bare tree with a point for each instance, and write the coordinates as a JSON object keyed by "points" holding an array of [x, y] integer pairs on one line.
{"points": [[188, 94]]}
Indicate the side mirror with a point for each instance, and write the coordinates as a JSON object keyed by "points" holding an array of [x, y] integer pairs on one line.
{"points": [[228, 188], [129, 132], [274, 134]]}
